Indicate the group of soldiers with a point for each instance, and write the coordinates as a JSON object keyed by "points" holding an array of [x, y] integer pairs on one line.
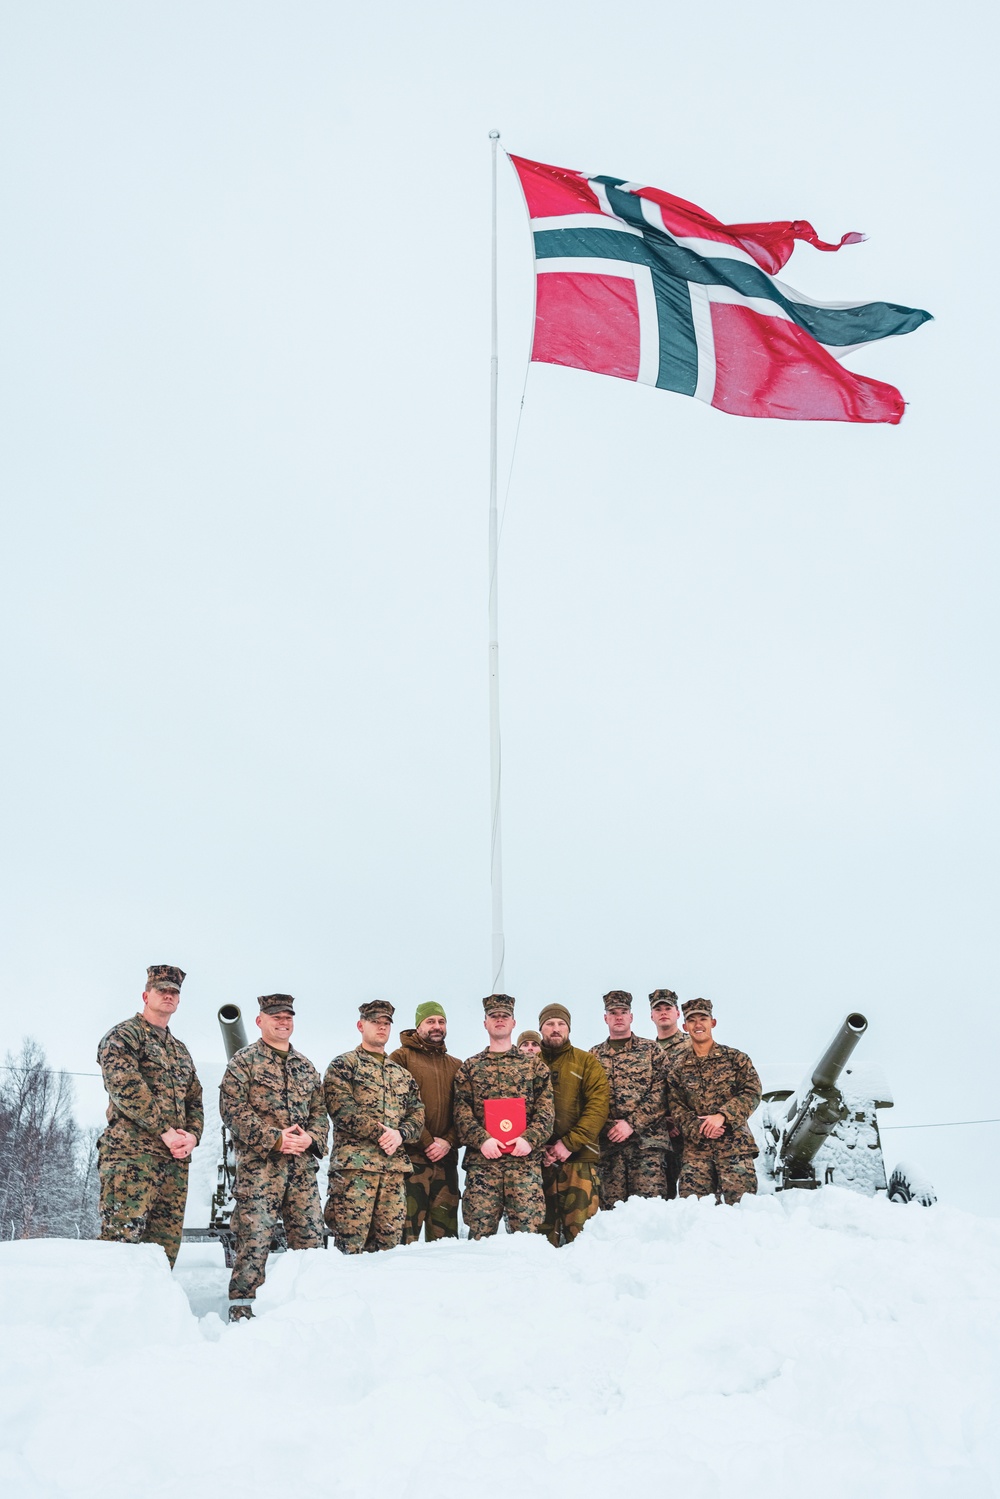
{"points": [[550, 1132]]}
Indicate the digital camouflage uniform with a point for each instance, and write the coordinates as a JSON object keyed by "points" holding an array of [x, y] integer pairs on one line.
{"points": [[511, 1187], [672, 1160], [636, 1072], [723, 1082], [263, 1092], [367, 1093], [432, 1194], [152, 1087], [581, 1095]]}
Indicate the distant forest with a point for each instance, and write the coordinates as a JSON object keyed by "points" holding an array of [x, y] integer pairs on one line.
{"points": [[48, 1164]]}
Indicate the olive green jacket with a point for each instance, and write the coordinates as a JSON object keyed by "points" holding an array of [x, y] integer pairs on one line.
{"points": [[582, 1098]]}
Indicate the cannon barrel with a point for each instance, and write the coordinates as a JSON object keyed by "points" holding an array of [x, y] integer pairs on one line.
{"points": [[234, 1037], [837, 1055], [816, 1114]]}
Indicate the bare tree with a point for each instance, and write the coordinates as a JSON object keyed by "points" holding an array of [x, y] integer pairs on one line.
{"points": [[47, 1163]]}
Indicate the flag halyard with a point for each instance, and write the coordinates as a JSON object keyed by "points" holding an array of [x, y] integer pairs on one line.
{"points": [[634, 282]]}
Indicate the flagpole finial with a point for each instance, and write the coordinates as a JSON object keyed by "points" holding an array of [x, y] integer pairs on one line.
{"points": [[494, 135]]}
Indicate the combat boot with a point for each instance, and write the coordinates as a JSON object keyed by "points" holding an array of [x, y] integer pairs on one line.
{"points": [[240, 1310]]}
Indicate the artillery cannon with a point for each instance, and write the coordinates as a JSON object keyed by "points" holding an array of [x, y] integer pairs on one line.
{"points": [[826, 1132], [234, 1038]]}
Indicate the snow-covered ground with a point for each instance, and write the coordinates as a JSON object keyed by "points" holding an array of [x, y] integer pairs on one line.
{"points": [[822, 1344]]}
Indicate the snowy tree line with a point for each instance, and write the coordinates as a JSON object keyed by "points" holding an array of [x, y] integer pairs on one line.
{"points": [[48, 1164]]}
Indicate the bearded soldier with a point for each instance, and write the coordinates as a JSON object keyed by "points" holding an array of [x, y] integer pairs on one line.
{"points": [[498, 1092], [376, 1112], [635, 1140], [432, 1186], [271, 1101], [155, 1120], [714, 1089], [570, 1175]]}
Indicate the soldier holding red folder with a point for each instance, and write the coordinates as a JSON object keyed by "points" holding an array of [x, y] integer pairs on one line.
{"points": [[504, 1114]]}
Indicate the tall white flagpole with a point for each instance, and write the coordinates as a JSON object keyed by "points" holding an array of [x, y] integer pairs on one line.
{"points": [[496, 863]]}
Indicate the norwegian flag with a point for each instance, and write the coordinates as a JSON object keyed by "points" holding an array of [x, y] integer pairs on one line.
{"points": [[634, 282]]}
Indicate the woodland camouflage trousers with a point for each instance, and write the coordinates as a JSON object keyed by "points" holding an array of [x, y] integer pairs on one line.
{"points": [[511, 1189], [705, 1173], [366, 1210], [432, 1197], [571, 1197], [142, 1200], [266, 1192], [631, 1172]]}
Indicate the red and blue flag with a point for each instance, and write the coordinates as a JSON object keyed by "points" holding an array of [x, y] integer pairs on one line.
{"points": [[637, 283]]}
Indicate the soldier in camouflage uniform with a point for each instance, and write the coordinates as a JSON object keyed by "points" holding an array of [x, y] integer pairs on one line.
{"points": [[432, 1187], [271, 1101], [529, 1043], [500, 1184], [664, 1012], [570, 1175], [713, 1091], [376, 1111], [155, 1120], [635, 1141]]}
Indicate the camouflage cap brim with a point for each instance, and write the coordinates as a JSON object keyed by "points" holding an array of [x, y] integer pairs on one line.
{"points": [[697, 1007], [164, 976], [276, 1004], [498, 1004], [377, 1009]]}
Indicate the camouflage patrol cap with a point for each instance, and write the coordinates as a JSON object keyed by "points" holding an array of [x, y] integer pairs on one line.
{"points": [[163, 976], [696, 1007], [377, 1009], [617, 999], [276, 1004], [663, 997], [498, 1004]]}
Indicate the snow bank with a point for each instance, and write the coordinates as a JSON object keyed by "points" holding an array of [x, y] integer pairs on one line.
{"points": [[820, 1343]]}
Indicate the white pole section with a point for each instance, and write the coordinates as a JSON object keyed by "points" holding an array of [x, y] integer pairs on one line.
{"points": [[496, 863]]}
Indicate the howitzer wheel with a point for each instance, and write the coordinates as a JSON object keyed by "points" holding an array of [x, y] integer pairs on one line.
{"points": [[906, 1184]]}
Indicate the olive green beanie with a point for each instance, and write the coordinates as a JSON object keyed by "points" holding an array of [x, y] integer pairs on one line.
{"points": [[430, 1007]]}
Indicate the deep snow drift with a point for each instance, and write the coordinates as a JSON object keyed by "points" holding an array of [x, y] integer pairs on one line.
{"points": [[822, 1343]]}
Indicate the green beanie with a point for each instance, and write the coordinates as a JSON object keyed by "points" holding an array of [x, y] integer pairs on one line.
{"points": [[431, 1007]]}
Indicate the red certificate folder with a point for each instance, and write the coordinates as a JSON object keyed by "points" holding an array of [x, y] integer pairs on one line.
{"points": [[505, 1119]]}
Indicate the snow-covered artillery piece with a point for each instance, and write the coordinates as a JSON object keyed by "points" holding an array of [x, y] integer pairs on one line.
{"points": [[234, 1038], [826, 1132]]}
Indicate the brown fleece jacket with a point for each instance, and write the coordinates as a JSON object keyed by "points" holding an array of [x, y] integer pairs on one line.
{"points": [[434, 1071]]}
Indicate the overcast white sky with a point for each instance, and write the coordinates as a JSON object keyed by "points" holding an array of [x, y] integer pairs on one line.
{"points": [[748, 669]]}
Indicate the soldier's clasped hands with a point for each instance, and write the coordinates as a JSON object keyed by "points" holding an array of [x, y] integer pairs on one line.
{"points": [[180, 1142], [295, 1140]]}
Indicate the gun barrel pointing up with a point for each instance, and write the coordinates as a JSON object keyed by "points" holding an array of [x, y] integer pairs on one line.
{"points": [[837, 1055], [234, 1037], [814, 1116]]}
